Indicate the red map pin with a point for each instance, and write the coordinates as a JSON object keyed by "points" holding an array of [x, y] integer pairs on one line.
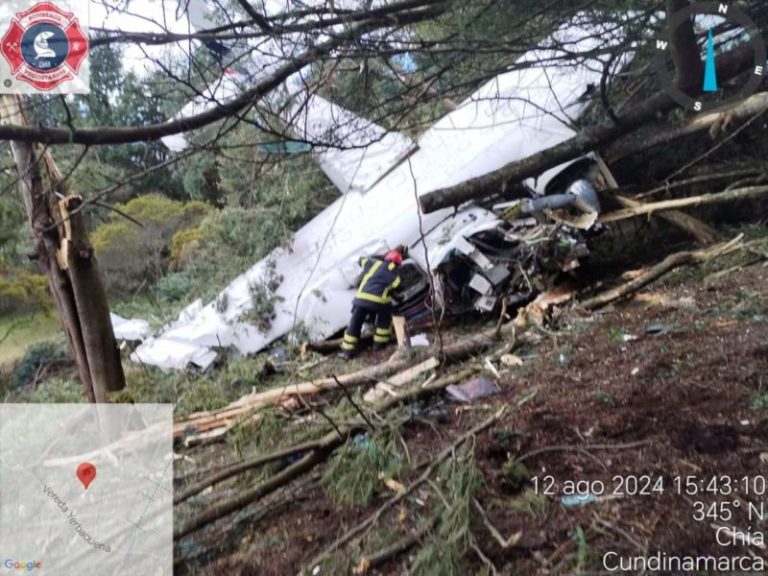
{"points": [[86, 472]]}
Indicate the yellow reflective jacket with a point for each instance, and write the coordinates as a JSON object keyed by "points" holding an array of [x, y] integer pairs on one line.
{"points": [[380, 279]]}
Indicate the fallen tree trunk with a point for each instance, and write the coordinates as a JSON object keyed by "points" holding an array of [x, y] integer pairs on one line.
{"points": [[708, 200], [656, 135], [729, 65], [231, 414], [655, 272], [221, 509], [331, 346], [240, 467]]}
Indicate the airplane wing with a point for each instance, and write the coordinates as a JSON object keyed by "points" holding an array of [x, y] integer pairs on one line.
{"points": [[353, 152]]}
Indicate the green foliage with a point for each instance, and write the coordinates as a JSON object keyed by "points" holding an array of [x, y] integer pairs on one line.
{"points": [[202, 180], [243, 233], [263, 300], [19, 331], [760, 401], [36, 357], [261, 436], [182, 243], [201, 395], [437, 559], [11, 220], [174, 287], [229, 241], [23, 291], [749, 305], [616, 334], [353, 475], [530, 503], [130, 256], [6, 381], [460, 482], [582, 550], [514, 475], [603, 397], [189, 390], [58, 391]]}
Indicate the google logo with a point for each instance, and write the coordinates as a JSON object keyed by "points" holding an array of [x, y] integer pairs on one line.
{"points": [[30, 566]]}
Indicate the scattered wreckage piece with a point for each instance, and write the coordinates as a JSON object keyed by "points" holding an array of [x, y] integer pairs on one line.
{"points": [[473, 389], [133, 330]]}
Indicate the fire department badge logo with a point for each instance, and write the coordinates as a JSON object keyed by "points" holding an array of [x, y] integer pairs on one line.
{"points": [[44, 46]]}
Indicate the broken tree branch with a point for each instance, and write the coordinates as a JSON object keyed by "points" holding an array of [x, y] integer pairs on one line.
{"points": [[695, 201], [390, 402], [240, 467], [667, 265], [503, 542], [708, 177], [699, 230], [693, 226], [393, 551], [242, 499]]}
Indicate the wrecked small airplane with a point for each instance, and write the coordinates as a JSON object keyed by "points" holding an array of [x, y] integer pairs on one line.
{"points": [[476, 255]]}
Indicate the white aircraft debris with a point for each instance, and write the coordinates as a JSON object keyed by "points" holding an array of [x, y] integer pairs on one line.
{"points": [[310, 283]]}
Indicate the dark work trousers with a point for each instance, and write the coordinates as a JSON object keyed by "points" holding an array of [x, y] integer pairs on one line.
{"points": [[382, 315]]}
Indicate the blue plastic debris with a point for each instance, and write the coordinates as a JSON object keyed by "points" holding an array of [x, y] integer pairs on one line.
{"points": [[579, 499]]}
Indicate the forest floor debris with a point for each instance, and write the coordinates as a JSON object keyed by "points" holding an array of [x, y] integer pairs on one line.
{"points": [[583, 404]]}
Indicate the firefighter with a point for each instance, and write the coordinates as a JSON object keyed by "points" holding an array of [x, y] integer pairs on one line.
{"points": [[374, 299]]}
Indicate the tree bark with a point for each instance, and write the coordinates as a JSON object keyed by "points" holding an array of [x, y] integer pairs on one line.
{"points": [[685, 51], [699, 230], [66, 257]]}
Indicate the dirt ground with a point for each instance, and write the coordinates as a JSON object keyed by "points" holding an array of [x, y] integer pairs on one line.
{"points": [[653, 398]]}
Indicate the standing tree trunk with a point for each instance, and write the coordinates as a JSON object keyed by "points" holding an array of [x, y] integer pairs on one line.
{"points": [[685, 52], [66, 256]]}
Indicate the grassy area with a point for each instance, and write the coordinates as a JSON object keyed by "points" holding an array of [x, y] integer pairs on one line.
{"points": [[23, 331]]}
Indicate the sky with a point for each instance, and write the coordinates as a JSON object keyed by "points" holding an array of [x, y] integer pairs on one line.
{"points": [[141, 16]]}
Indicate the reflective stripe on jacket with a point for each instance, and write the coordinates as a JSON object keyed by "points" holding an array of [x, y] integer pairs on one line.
{"points": [[380, 278]]}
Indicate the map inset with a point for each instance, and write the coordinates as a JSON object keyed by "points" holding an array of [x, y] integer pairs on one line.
{"points": [[86, 489]]}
